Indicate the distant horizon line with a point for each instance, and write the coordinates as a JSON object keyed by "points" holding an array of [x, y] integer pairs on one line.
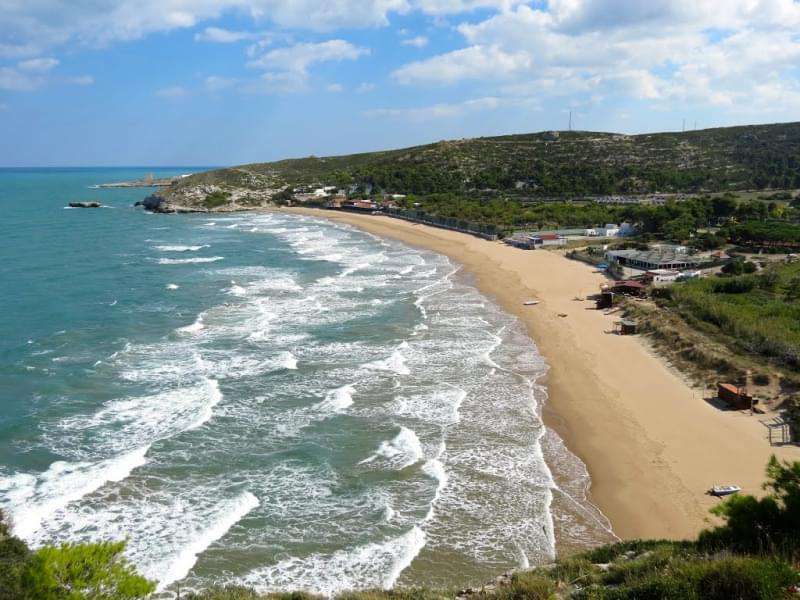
{"points": [[7, 168]]}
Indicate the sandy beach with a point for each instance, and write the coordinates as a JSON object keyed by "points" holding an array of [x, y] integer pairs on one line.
{"points": [[652, 445]]}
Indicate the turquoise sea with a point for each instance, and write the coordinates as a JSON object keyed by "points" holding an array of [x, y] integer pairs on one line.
{"points": [[266, 399]]}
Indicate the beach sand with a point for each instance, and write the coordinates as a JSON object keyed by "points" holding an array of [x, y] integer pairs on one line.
{"points": [[652, 444]]}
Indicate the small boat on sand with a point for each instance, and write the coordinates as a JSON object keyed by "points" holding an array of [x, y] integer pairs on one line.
{"points": [[530, 302], [724, 490]]}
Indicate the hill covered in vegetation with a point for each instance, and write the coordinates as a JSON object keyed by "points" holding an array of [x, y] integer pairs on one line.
{"points": [[531, 166]]}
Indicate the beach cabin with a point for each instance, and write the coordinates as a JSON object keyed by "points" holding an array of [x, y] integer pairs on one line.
{"points": [[661, 277], [604, 301], [548, 239], [735, 396]]}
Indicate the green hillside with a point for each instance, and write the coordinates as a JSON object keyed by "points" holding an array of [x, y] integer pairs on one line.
{"points": [[546, 165]]}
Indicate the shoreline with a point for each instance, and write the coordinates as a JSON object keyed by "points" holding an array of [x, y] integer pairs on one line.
{"points": [[651, 444]]}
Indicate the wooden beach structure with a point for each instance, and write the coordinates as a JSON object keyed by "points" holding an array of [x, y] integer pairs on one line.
{"points": [[735, 397]]}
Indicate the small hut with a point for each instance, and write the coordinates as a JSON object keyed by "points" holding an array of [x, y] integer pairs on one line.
{"points": [[735, 396], [605, 300]]}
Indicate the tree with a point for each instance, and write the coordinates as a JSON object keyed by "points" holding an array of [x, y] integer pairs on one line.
{"points": [[14, 555], [735, 267], [83, 572]]}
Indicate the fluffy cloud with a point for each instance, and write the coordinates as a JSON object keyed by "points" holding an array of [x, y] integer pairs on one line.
{"points": [[217, 35], [440, 111], [29, 27], [301, 56], [27, 75], [694, 51], [475, 62], [419, 41], [38, 65]]}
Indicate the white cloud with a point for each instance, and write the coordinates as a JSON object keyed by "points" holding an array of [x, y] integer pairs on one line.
{"points": [[27, 75], [699, 52], [365, 87], [38, 65], [29, 27], [174, 92], [300, 57], [81, 80], [439, 111], [474, 62], [335, 87], [217, 35], [287, 68], [419, 41]]}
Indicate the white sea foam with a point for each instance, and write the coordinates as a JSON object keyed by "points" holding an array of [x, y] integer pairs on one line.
{"points": [[179, 248], [64, 482], [172, 286], [287, 360], [435, 469], [141, 421], [236, 290], [338, 400], [195, 327], [372, 565], [400, 452], [395, 363], [188, 261], [179, 564]]}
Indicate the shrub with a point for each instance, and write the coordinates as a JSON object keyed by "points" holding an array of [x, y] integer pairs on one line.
{"points": [[761, 525], [745, 578], [75, 571], [528, 586], [216, 199]]}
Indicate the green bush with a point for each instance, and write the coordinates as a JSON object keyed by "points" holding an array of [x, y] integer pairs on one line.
{"points": [[216, 199], [67, 572], [77, 571], [528, 586]]}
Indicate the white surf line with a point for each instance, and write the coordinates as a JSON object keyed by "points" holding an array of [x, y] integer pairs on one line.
{"points": [[182, 563], [421, 298], [66, 482]]}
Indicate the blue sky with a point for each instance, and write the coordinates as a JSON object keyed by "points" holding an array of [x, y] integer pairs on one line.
{"points": [[217, 82]]}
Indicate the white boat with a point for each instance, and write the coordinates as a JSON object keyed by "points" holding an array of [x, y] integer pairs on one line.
{"points": [[724, 490], [531, 303]]}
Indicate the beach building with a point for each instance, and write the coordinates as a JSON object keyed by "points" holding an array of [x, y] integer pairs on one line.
{"points": [[610, 230], [662, 277], [532, 241], [548, 239], [735, 396], [661, 258]]}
